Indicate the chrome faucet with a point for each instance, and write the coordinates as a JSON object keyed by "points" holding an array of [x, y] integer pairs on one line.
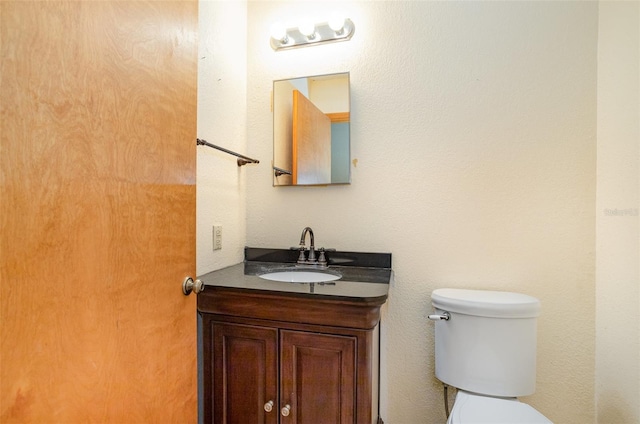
{"points": [[321, 261], [312, 248]]}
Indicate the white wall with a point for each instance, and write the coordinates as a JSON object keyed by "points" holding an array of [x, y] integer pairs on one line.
{"points": [[222, 120], [474, 137], [474, 130], [617, 273]]}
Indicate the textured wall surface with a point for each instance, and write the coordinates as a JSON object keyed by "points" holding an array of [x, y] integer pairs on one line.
{"points": [[473, 131], [222, 120], [618, 253]]}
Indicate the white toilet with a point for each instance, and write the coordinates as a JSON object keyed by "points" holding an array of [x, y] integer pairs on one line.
{"points": [[485, 345]]}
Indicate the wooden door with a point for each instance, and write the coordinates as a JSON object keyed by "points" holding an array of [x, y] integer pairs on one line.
{"points": [[244, 374], [311, 141], [318, 377], [97, 211]]}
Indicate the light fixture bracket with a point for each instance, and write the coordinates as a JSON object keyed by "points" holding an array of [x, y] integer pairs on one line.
{"points": [[294, 38]]}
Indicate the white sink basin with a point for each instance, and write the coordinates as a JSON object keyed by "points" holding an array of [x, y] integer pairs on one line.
{"points": [[300, 276]]}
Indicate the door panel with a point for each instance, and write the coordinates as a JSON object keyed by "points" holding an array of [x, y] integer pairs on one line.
{"points": [[247, 358], [97, 211], [318, 377], [311, 136]]}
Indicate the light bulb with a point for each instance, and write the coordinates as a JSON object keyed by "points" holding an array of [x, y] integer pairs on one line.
{"points": [[308, 29], [278, 32], [336, 23]]}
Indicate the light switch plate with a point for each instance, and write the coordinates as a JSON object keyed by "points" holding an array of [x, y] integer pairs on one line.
{"points": [[217, 237]]}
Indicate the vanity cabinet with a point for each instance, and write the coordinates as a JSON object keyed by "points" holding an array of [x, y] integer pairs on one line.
{"points": [[273, 357], [317, 375]]}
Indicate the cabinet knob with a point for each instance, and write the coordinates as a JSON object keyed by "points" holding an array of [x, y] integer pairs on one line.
{"points": [[285, 411], [268, 407]]}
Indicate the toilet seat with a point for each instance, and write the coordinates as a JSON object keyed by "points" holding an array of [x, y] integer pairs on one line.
{"points": [[474, 408]]}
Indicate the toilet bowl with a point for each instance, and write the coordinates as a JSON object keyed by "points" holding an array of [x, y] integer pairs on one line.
{"points": [[485, 346], [474, 408]]}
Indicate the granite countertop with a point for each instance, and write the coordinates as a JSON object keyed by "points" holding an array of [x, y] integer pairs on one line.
{"points": [[365, 276]]}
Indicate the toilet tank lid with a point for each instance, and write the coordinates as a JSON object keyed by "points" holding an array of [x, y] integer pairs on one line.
{"points": [[486, 303]]}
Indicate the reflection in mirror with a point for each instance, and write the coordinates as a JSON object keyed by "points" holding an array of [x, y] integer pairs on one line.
{"points": [[311, 130]]}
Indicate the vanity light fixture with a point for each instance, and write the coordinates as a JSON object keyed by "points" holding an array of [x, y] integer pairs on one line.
{"points": [[310, 35]]}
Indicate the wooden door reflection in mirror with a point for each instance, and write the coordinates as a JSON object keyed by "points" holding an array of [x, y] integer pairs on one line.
{"points": [[311, 130]]}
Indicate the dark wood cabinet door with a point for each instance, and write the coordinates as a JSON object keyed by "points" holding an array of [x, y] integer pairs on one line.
{"points": [[317, 377], [245, 361]]}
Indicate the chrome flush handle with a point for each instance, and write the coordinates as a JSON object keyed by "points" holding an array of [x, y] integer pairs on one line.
{"points": [[440, 317]]}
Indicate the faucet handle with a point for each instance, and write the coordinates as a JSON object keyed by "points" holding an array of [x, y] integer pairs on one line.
{"points": [[301, 257], [322, 260]]}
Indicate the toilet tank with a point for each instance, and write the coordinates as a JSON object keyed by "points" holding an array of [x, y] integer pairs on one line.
{"points": [[488, 345]]}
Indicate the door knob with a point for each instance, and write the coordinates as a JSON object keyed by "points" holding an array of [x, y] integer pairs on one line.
{"points": [[285, 411], [189, 286], [268, 407]]}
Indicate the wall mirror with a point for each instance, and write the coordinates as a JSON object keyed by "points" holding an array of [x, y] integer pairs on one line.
{"points": [[311, 130]]}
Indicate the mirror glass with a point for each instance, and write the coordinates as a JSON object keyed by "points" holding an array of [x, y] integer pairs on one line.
{"points": [[311, 130]]}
